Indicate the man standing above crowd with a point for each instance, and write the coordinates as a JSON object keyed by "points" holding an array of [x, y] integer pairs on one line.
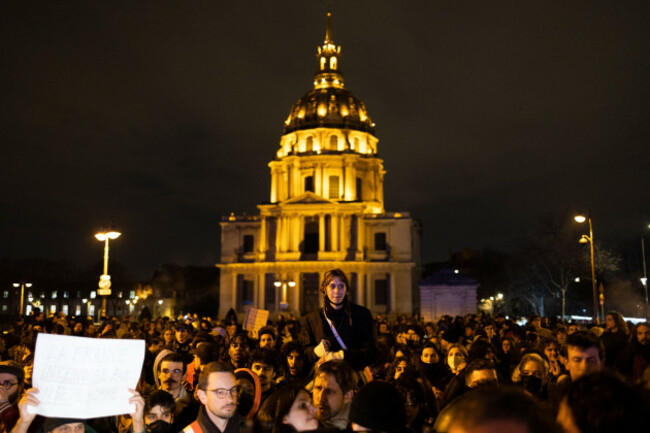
{"points": [[217, 392], [333, 391]]}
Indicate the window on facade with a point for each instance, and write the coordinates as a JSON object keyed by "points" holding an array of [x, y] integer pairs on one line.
{"points": [[309, 144], [322, 63], [77, 310], [64, 308], [381, 292], [334, 142], [52, 309], [4, 308], [54, 294], [132, 294], [380, 241], [248, 243], [269, 291], [66, 295], [5, 294], [359, 189], [245, 289], [332, 62], [309, 183], [93, 294], [42, 295], [334, 187]]}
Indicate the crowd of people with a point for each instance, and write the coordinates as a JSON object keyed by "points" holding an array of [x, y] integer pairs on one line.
{"points": [[338, 368]]}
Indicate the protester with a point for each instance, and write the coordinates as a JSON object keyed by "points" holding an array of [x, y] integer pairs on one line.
{"points": [[341, 329], [12, 379], [287, 410], [378, 406], [333, 391], [217, 392]]}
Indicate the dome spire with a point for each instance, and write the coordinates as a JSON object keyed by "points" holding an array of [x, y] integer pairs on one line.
{"points": [[328, 28], [328, 74]]}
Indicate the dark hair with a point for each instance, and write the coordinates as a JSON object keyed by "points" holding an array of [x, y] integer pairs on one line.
{"points": [[267, 330], [604, 402], [265, 356], [172, 357], [476, 365], [621, 326], [481, 406], [242, 335], [269, 418], [584, 340], [341, 371], [213, 367], [159, 398]]}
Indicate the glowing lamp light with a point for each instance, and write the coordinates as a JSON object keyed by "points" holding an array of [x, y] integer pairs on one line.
{"points": [[277, 284], [580, 218], [109, 235], [292, 284], [584, 239], [577, 280], [160, 301]]}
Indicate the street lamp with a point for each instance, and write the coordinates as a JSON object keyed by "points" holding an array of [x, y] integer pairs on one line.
{"points": [[105, 279], [644, 279], [22, 286], [590, 239], [284, 304]]}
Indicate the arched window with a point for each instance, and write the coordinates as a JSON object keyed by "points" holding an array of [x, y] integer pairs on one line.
{"points": [[334, 142], [322, 63], [332, 62]]}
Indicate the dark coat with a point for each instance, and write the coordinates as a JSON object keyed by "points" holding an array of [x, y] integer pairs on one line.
{"points": [[358, 337]]}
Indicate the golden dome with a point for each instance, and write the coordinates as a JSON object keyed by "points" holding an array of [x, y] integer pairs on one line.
{"points": [[329, 104]]}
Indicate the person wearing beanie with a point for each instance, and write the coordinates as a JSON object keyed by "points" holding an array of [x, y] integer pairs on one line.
{"points": [[12, 380], [341, 329], [378, 406]]}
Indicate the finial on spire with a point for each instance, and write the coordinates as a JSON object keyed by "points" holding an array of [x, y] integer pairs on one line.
{"points": [[328, 28]]}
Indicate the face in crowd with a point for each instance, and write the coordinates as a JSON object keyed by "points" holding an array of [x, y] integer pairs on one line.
{"points": [[582, 361], [302, 415], [328, 396], [265, 372], [295, 363], [171, 376], [336, 291], [219, 397], [643, 334]]}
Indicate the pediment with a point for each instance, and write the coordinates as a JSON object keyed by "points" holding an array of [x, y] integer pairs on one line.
{"points": [[308, 198]]}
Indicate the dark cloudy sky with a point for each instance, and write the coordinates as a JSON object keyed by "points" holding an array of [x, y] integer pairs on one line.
{"points": [[161, 116]]}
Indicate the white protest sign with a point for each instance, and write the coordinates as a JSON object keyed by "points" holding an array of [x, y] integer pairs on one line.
{"points": [[255, 319], [83, 378]]}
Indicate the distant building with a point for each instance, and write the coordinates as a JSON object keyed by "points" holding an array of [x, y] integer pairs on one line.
{"points": [[447, 292], [326, 210]]}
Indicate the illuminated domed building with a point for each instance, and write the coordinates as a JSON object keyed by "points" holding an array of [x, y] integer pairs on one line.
{"points": [[326, 211]]}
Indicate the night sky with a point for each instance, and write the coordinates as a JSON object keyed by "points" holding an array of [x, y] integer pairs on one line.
{"points": [[162, 116]]}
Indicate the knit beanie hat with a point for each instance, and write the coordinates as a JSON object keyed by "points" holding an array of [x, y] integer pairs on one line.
{"points": [[12, 367], [379, 406]]}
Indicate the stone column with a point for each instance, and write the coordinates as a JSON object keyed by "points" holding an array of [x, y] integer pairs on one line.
{"points": [[321, 232], [334, 231]]}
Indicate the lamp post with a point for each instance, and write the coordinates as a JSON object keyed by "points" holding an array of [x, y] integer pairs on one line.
{"points": [[583, 240], [644, 279], [284, 304], [22, 286], [105, 279]]}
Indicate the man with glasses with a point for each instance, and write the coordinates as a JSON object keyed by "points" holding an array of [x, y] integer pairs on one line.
{"points": [[171, 372], [12, 378], [217, 392]]}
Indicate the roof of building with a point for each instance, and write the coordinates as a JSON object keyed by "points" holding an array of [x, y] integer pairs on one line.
{"points": [[329, 104], [447, 277]]}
